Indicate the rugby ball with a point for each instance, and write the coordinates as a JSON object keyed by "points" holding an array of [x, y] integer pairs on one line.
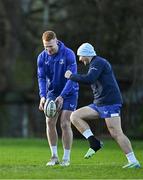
{"points": [[50, 108]]}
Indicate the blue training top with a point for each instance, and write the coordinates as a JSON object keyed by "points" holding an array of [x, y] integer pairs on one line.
{"points": [[51, 70], [103, 83]]}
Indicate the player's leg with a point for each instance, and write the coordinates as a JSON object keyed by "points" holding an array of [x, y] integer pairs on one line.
{"points": [[78, 118], [67, 136], [69, 105], [52, 139], [114, 127]]}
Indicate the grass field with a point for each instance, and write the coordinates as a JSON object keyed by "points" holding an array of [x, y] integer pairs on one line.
{"points": [[26, 159]]}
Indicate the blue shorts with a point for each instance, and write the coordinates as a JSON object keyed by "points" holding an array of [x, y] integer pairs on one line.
{"points": [[107, 111], [70, 103]]}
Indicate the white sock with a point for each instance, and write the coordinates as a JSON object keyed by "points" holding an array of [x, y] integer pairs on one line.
{"points": [[54, 151], [131, 157], [66, 155], [87, 133]]}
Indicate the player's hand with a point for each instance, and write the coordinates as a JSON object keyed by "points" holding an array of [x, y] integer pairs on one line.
{"points": [[59, 101], [42, 102], [68, 73]]}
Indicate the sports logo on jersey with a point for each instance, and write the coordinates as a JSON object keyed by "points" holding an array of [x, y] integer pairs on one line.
{"points": [[61, 61], [71, 105], [46, 62], [105, 112]]}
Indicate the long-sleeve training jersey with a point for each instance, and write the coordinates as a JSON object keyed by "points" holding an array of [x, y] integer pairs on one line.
{"points": [[102, 80], [51, 70]]}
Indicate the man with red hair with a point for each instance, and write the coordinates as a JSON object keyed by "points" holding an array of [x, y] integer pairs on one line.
{"points": [[52, 64]]}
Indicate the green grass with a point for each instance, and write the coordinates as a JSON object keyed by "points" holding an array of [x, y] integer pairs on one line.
{"points": [[26, 159]]}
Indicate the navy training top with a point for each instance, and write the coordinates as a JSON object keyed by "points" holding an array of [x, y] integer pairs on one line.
{"points": [[102, 80]]}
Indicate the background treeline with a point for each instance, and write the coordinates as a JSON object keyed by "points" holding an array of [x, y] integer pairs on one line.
{"points": [[114, 27]]}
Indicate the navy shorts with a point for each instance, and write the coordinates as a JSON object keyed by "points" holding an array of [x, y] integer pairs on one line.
{"points": [[107, 111], [70, 103]]}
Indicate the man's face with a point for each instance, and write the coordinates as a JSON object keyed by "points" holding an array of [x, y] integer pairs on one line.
{"points": [[84, 60], [51, 46]]}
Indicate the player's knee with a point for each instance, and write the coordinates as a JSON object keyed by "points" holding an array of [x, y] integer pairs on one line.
{"points": [[50, 123], [115, 134], [73, 117], [65, 125]]}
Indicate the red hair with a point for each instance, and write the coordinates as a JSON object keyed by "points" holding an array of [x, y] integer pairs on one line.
{"points": [[48, 35]]}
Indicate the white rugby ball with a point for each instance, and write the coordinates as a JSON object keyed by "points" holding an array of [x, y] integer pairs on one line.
{"points": [[50, 108]]}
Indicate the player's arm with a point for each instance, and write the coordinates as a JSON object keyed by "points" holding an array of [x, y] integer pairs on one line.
{"points": [[41, 81], [89, 78], [72, 66]]}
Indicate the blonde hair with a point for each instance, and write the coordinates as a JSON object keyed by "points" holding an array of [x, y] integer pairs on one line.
{"points": [[48, 35]]}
